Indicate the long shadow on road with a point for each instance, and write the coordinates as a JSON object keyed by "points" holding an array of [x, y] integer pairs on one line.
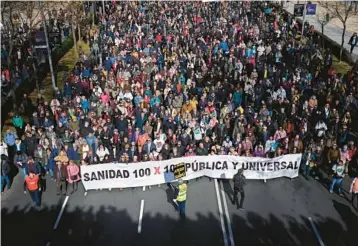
{"points": [[110, 226]]}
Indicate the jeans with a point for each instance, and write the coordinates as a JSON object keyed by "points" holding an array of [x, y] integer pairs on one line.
{"points": [[337, 181], [35, 196], [236, 198], [181, 208], [6, 179], [23, 170], [49, 170], [307, 170]]}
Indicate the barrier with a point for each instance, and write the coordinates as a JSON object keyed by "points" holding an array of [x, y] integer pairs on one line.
{"points": [[119, 175]]}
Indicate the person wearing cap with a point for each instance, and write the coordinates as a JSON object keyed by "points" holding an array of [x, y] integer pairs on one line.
{"points": [[181, 197], [239, 182], [32, 184]]}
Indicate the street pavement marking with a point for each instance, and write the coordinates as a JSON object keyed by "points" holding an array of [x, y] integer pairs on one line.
{"points": [[220, 212], [140, 216], [316, 232], [61, 212], [227, 215]]}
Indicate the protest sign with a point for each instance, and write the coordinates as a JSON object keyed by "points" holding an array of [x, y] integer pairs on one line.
{"points": [[179, 171], [115, 175]]}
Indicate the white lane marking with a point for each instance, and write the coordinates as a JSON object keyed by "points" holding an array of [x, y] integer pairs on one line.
{"points": [[61, 212], [227, 215], [220, 212], [140, 216], [321, 243]]}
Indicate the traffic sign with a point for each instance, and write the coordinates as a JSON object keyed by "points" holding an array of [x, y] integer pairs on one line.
{"points": [[311, 9]]}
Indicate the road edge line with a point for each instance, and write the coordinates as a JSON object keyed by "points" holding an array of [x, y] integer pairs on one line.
{"points": [[223, 229], [228, 220], [61, 212], [315, 231], [140, 216]]}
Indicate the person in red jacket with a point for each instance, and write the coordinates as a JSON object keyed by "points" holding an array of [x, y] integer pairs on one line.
{"points": [[31, 184]]}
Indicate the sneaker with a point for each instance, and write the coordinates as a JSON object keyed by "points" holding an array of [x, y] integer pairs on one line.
{"points": [[38, 208], [341, 194], [331, 191], [242, 209]]}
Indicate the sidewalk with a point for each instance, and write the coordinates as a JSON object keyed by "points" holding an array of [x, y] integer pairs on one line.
{"points": [[330, 30]]}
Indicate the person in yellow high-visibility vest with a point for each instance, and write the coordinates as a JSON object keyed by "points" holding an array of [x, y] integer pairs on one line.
{"points": [[181, 198]]}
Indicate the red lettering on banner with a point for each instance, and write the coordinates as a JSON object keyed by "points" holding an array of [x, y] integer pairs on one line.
{"points": [[156, 170]]}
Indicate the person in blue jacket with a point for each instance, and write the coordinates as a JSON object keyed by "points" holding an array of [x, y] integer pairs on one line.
{"points": [[32, 166], [51, 163]]}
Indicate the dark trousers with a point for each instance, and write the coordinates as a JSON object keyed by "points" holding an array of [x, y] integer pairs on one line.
{"points": [[11, 151], [61, 187], [181, 208], [19, 131], [355, 197], [74, 186], [35, 196], [352, 48], [236, 199]]}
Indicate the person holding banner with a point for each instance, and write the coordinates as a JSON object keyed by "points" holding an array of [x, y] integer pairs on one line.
{"points": [[239, 183]]}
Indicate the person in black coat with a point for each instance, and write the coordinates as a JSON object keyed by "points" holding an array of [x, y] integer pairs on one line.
{"points": [[239, 183], [5, 173], [353, 41]]}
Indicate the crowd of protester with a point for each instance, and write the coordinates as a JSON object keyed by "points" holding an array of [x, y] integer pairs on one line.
{"points": [[173, 79]]}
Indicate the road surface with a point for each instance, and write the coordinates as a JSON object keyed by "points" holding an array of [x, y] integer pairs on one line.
{"points": [[278, 212]]}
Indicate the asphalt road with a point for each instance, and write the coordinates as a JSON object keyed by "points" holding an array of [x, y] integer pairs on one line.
{"points": [[277, 213]]}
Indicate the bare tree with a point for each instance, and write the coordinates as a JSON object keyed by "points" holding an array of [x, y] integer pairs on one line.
{"points": [[323, 21], [343, 11], [78, 19]]}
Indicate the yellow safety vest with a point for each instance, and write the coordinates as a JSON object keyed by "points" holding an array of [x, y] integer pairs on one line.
{"points": [[182, 193]]}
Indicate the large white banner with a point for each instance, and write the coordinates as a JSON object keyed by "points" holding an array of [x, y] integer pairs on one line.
{"points": [[118, 175]]}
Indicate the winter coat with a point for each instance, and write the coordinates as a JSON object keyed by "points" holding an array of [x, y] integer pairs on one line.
{"points": [[73, 170], [34, 167], [20, 158], [63, 171], [5, 167], [239, 182], [41, 159]]}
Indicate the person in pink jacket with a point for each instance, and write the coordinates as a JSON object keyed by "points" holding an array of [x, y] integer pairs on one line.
{"points": [[73, 175]]}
